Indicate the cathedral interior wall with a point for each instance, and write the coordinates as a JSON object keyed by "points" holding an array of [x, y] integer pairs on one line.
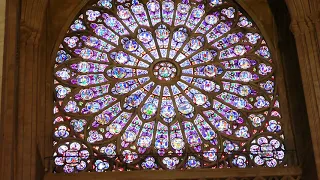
{"points": [[42, 24]]}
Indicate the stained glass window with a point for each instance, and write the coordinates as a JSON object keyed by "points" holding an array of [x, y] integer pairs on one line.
{"points": [[164, 84]]}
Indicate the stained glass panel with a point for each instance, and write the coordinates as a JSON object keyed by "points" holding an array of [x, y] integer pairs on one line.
{"points": [[165, 85]]}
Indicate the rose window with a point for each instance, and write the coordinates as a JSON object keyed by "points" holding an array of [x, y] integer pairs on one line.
{"points": [[165, 85]]}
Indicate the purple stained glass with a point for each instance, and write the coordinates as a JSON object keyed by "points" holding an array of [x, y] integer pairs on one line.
{"points": [[165, 84]]}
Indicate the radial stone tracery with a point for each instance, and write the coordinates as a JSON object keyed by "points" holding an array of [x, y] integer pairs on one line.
{"points": [[165, 85]]}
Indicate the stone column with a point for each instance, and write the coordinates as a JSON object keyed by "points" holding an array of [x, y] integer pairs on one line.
{"points": [[305, 15], [20, 157], [9, 99], [2, 27]]}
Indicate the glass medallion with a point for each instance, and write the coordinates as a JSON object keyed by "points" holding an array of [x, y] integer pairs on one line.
{"points": [[62, 56], [229, 12], [177, 143], [232, 115], [131, 45], [244, 63], [133, 100], [170, 162], [239, 50], [215, 2], [161, 143], [268, 85], [180, 36], [149, 163], [208, 86], [63, 74], [129, 136], [119, 72], [244, 90], [162, 33], [195, 44], [245, 76], [163, 85], [197, 13], [168, 6], [149, 109], [183, 8], [165, 71], [137, 9], [129, 156], [192, 162], [153, 6], [114, 128], [83, 80], [124, 14], [200, 99], [144, 141], [61, 91], [86, 54], [211, 154], [185, 108], [101, 166], [209, 135], [222, 125], [105, 3], [211, 70], [145, 37], [240, 103], [112, 21], [83, 67], [122, 57], [206, 56], [211, 19], [93, 107], [122, 87], [86, 94], [71, 107], [194, 141], [167, 111]]}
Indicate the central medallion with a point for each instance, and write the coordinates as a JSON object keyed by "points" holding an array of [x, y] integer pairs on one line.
{"points": [[165, 70]]}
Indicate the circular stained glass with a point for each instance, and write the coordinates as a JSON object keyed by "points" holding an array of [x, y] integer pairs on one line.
{"points": [[149, 109], [122, 57], [165, 70], [168, 111], [139, 82]]}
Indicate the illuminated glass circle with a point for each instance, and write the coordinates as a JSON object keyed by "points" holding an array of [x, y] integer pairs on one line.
{"points": [[165, 71], [164, 85]]}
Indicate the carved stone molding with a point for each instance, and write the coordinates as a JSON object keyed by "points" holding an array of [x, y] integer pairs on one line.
{"points": [[308, 52], [305, 27], [19, 154], [302, 26], [29, 35], [246, 178], [289, 173], [9, 98]]}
